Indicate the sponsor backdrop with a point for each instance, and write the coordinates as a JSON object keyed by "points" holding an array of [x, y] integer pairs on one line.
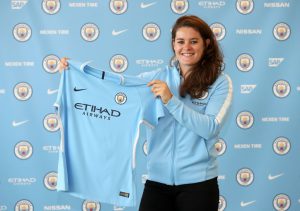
{"points": [[258, 148]]}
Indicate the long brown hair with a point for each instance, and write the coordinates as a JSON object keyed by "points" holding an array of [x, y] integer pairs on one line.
{"points": [[203, 74]]}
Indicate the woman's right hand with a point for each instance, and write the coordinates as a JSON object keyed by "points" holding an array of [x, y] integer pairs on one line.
{"points": [[63, 65]]}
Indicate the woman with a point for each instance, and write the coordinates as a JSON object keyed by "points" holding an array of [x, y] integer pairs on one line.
{"points": [[181, 161]]}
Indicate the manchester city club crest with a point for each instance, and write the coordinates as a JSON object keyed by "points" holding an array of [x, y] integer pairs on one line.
{"points": [[245, 177], [23, 150], [179, 6], [245, 120], [23, 91], [281, 88], [245, 6], [118, 6], [89, 32], [120, 98], [91, 206], [24, 205], [51, 63], [281, 31], [282, 202], [22, 32], [51, 6], [151, 32], [222, 203], [118, 63], [51, 122], [281, 146], [218, 30], [244, 62], [50, 181], [220, 147]]}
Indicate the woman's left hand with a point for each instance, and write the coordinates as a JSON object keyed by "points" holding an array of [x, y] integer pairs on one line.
{"points": [[161, 89]]}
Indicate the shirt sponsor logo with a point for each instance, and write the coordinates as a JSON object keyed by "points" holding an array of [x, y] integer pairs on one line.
{"points": [[146, 5], [96, 111], [277, 4], [57, 207], [21, 181], [275, 62], [247, 88], [19, 64], [83, 4], [248, 31], [211, 4]]}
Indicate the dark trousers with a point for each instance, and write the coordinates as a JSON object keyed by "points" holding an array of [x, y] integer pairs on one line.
{"points": [[202, 196]]}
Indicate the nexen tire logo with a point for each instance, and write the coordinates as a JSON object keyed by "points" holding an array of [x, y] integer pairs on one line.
{"points": [[97, 112], [149, 62]]}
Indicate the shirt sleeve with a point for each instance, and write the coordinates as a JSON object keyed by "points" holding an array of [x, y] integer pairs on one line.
{"points": [[207, 124]]}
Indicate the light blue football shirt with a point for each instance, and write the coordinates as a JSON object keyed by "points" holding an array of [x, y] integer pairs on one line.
{"points": [[99, 122]]}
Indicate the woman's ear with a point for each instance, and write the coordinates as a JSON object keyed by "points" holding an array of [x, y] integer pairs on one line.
{"points": [[207, 42]]}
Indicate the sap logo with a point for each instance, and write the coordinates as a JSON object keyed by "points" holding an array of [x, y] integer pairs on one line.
{"points": [[275, 62], [18, 4], [247, 88]]}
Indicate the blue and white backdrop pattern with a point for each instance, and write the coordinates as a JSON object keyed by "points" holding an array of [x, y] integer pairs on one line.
{"points": [[258, 148]]}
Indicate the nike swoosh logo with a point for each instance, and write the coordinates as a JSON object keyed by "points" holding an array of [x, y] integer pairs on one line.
{"points": [[116, 33], [52, 91], [270, 177], [244, 204], [77, 90], [16, 124], [144, 5]]}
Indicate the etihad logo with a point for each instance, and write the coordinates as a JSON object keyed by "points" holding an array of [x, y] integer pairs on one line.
{"points": [[24, 205], [57, 207], [19, 123], [89, 32], [245, 204], [222, 203], [149, 62], [211, 4], [247, 88], [146, 5], [118, 6], [96, 112], [273, 177], [275, 62], [78, 90], [282, 202], [17, 5], [116, 33], [21, 181], [91, 205]]}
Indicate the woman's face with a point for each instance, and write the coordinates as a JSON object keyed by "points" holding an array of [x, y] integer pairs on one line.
{"points": [[188, 46]]}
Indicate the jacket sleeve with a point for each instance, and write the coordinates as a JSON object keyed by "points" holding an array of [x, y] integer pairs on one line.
{"points": [[207, 124]]}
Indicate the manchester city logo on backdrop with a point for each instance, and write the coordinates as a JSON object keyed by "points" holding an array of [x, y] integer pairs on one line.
{"points": [[24, 205], [23, 91], [120, 98], [22, 32], [245, 177], [222, 203], [51, 122], [282, 202], [23, 150], [51, 63], [179, 6], [218, 30], [90, 206], [51, 6], [118, 6], [245, 6], [50, 181], [118, 63], [220, 147], [281, 31], [281, 146], [244, 62], [89, 32], [151, 31], [245, 119], [281, 88]]}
